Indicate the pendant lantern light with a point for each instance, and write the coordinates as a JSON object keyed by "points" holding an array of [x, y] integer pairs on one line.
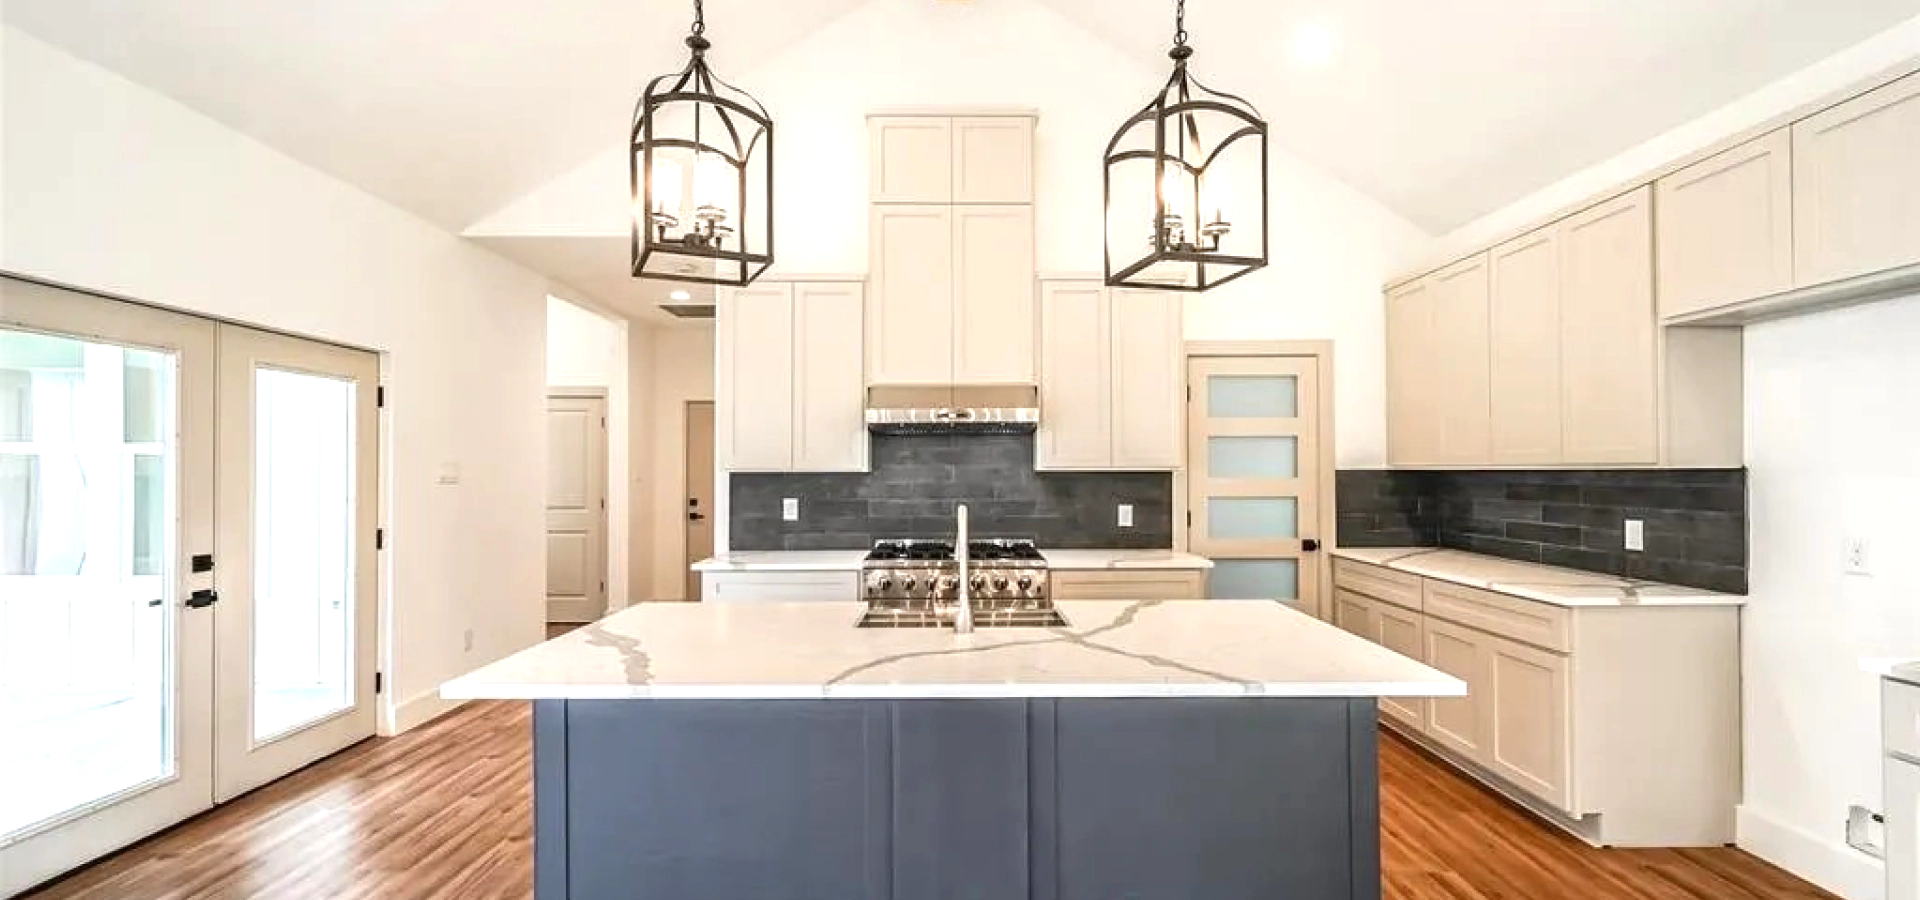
{"points": [[1186, 185], [701, 172]]}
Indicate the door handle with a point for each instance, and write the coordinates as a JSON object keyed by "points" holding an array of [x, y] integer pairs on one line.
{"points": [[1309, 545], [696, 517], [202, 599]]}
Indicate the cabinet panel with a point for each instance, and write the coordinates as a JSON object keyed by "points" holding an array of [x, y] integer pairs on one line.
{"points": [[1725, 229], [1459, 723], [1530, 704], [1378, 582], [772, 587], [1540, 624], [1356, 614], [1404, 632], [1076, 425], [910, 159], [1856, 190], [829, 379], [1413, 421], [1460, 365], [1903, 829], [993, 159], [910, 311], [993, 318], [754, 345], [1607, 333], [1149, 378], [1525, 333], [1149, 584]]}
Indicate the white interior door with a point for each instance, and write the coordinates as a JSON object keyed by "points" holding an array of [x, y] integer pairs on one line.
{"points": [[576, 508], [1253, 475], [296, 573], [106, 494]]}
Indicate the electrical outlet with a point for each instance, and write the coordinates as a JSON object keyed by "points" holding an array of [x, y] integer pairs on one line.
{"points": [[1636, 535], [790, 509], [1126, 515], [467, 640], [1867, 831], [1858, 556]]}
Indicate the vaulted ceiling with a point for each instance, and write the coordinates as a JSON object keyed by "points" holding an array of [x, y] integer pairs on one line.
{"points": [[1440, 110]]}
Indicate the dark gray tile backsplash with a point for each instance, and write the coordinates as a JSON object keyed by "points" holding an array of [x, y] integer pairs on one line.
{"points": [[916, 482], [1696, 519]]}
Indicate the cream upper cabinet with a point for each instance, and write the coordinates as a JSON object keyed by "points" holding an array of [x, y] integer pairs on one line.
{"points": [[1112, 378], [790, 392], [754, 378], [1076, 411], [910, 159], [1149, 379], [1413, 422], [1460, 361], [829, 378], [1725, 227], [1856, 186], [992, 159], [1607, 333], [1525, 337], [910, 319], [993, 315], [950, 159]]}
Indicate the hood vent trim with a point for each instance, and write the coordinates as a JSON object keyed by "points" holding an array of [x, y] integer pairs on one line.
{"points": [[958, 409]]}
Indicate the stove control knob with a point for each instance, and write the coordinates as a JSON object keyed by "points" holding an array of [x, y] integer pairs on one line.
{"points": [[908, 584], [999, 582], [884, 584], [948, 582], [1026, 582], [978, 582]]}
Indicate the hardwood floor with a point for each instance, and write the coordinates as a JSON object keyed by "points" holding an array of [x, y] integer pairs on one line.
{"points": [[445, 811]]}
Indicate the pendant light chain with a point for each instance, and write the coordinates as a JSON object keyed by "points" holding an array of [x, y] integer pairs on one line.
{"points": [[1180, 23], [700, 16]]}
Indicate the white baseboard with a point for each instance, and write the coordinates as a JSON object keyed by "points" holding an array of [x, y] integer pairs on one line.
{"points": [[418, 711], [1830, 864]]}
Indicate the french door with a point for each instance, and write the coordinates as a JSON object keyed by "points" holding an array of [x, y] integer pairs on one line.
{"points": [[1253, 469], [186, 568]]}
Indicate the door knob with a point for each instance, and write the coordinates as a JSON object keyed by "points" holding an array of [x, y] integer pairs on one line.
{"points": [[696, 517], [1310, 545], [202, 599]]}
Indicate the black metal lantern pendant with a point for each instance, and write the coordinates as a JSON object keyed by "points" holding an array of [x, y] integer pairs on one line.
{"points": [[1186, 178], [701, 170]]}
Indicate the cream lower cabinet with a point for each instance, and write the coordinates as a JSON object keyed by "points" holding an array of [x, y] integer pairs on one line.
{"points": [[1619, 723], [779, 587], [790, 387], [1132, 584], [1112, 379]]}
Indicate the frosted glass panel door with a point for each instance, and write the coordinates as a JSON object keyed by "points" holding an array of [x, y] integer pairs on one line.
{"points": [[1253, 478], [105, 482], [296, 559]]}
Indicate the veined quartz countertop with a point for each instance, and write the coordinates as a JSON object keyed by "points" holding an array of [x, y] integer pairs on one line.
{"points": [[849, 560], [1532, 581], [1895, 668], [1156, 648]]}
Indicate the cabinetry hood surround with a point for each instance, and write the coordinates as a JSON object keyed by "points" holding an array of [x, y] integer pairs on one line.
{"points": [[956, 409]]}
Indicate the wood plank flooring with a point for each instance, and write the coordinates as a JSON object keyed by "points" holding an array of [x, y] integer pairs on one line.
{"points": [[445, 811]]}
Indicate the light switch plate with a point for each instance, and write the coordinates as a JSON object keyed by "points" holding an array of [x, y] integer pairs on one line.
{"points": [[1636, 534], [448, 473], [790, 509], [1126, 515]]}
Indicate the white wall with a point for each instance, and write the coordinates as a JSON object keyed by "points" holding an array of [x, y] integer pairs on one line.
{"points": [[1332, 247], [1831, 432], [113, 187], [1829, 436], [588, 349], [680, 370]]}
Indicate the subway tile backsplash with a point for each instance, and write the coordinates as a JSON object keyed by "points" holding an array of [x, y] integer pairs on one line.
{"points": [[1696, 519], [916, 482]]}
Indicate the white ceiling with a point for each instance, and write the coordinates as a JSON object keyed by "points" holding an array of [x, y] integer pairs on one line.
{"points": [[1441, 109]]}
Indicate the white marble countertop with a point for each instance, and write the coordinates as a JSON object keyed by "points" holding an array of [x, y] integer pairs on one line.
{"points": [[1160, 648], [1895, 668], [1532, 581], [849, 560]]}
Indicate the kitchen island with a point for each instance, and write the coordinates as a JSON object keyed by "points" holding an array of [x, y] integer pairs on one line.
{"points": [[1220, 750]]}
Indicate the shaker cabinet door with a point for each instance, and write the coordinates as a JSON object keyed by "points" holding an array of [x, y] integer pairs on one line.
{"points": [[754, 344], [1525, 333], [829, 378], [1726, 227], [1607, 333], [1149, 379], [1076, 377], [910, 159], [1856, 189], [910, 310], [1531, 708], [993, 315]]}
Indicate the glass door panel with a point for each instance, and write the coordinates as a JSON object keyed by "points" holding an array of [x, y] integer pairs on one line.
{"points": [[303, 550], [86, 533]]}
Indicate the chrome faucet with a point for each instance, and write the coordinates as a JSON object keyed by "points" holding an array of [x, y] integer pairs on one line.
{"points": [[963, 616]]}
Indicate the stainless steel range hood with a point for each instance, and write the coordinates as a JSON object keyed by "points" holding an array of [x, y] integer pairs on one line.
{"points": [[955, 409]]}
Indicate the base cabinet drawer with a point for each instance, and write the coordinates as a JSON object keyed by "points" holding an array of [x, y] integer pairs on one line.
{"points": [[1539, 624], [1378, 582], [1149, 584], [779, 587]]}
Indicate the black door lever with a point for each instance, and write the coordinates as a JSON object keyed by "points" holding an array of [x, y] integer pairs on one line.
{"points": [[202, 599], [1310, 545]]}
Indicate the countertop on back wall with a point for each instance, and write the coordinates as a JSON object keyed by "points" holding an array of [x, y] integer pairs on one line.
{"points": [[1533, 581], [849, 560]]}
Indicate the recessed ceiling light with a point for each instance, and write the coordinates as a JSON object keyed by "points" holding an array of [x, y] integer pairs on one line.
{"points": [[680, 296], [1313, 45]]}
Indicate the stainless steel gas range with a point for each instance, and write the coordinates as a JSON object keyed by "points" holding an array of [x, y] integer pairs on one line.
{"points": [[915, 583]]}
